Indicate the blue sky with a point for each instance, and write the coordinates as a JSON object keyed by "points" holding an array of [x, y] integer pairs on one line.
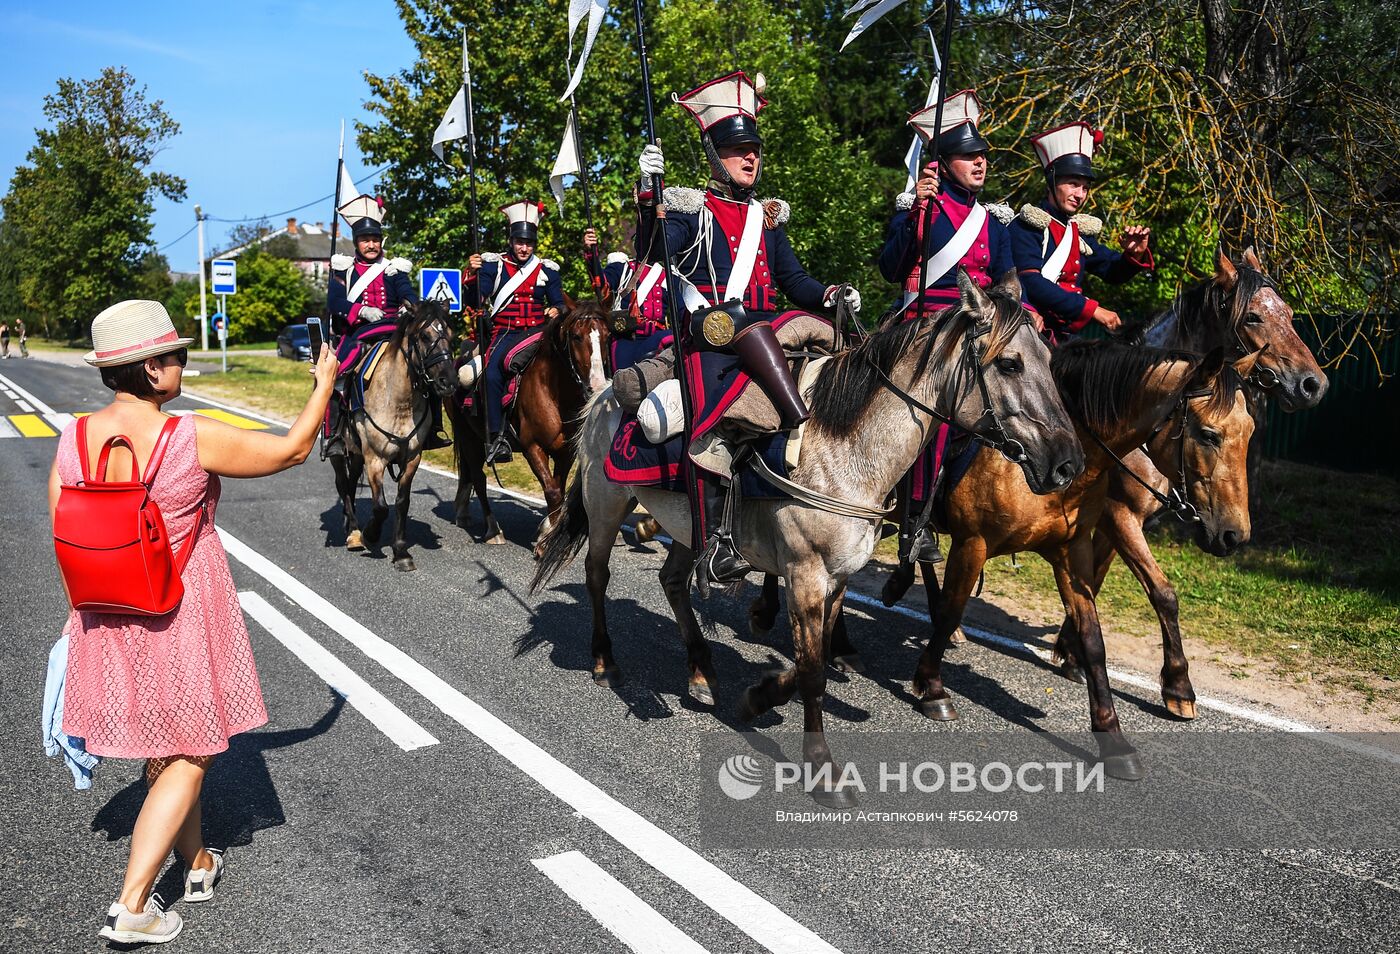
{"points": [[258, 89]]}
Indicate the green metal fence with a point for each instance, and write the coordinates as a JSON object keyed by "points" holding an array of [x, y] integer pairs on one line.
{"points": [[1357, 425]]}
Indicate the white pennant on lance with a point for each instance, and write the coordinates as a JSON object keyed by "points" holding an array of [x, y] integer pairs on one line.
{"points": [[454, 123], [567, 164], [869, 11], [594, 10], [916, 148]]}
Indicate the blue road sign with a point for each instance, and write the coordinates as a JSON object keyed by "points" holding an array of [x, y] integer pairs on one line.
{"points": [[216, 321], [224, 272], [441, 284]]}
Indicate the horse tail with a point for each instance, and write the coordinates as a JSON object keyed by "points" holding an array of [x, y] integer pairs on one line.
{"points": [[455, 414], [565, 539]]}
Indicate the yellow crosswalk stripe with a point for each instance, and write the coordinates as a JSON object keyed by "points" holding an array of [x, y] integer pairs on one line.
{"points": [[237, 420], [32, 425]]}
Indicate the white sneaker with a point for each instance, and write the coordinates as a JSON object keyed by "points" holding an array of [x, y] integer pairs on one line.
{"points": [[199, 882], [154, 925]]}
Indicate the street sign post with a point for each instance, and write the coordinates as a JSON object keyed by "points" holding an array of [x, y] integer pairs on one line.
{"points": [[222, 327], [224, 271], [441, 284]]}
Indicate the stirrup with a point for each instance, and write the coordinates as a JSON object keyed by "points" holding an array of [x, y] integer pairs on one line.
{"points": [[924, 548], [498, 451], [436, 440], [721, 563]]}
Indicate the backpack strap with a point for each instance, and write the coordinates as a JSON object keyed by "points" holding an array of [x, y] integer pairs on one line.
{"points": [[82, 446], [157, 452], [112, 441]]}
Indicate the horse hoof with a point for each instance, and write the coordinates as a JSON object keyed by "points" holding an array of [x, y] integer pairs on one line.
{"points": [[405, 565], [939, 710], [838, 798], [1126, 766], [355, 541], [499, 540], [1072, 672], [958, 636], [608, 677], [851, 662], [757, 630], [750, 707], [701, 692], [645, 530], [1184, 709]]}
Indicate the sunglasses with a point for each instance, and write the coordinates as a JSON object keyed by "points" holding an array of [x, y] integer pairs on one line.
{"points": [[182, 356]]}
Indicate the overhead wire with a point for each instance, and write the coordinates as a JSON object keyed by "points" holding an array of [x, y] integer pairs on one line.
{"points": [[276, 215]]}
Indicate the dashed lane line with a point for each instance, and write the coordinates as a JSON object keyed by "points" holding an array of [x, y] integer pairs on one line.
{"points": [[627, 917], [751, 913], [31, 425], [402, 730], [55, 418]]}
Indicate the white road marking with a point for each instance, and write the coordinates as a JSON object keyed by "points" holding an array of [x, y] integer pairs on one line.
{"points": [[757, 917], [25, 406], [630, 919], [240, 410], [6, 428], [387, 717], [57, 419]]}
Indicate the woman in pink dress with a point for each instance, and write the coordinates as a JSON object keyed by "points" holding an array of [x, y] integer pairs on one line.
{"points": [[169, 689]]}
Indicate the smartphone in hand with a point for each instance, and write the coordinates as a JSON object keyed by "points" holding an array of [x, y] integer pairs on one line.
{"points": [[313, 331]]}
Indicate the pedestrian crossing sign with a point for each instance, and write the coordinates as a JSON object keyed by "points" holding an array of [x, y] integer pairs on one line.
{"points": [[441, 284]]}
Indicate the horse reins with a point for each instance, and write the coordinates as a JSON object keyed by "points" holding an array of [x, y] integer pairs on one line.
{"points": [[1177, 498], [419, 375]]}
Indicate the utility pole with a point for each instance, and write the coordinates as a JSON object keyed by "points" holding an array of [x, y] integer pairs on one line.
{"points": [[203, 313]]}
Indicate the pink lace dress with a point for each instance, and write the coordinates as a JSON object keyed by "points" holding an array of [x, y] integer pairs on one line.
{"points": [[179, 684]]}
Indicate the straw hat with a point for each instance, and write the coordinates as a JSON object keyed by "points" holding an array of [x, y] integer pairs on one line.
{"points": [[132, 331]]}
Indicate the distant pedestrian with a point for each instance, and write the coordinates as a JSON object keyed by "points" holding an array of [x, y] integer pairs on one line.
{"points": [[169, 689], [4, 340], [23, 338]]}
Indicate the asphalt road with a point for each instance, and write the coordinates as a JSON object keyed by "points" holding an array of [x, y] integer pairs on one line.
{"points": [[546, 814]]}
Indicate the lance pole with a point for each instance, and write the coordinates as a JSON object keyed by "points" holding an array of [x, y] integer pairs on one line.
{"points": [[929, 214], [335, 215], [595, 270], [672, 300], [471, 143]]}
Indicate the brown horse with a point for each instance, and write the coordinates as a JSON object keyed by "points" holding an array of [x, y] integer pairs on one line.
{"points": [[1240, 310], [1120, 397], [569, 365]]}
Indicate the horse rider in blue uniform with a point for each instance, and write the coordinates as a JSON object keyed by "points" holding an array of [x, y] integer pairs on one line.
{"points": [[965, 233], [1054, 244], [734, 253], [520, 292], [363, 297], [638, 298]]}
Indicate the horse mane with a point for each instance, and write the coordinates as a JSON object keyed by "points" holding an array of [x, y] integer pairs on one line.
{"points": [[846, 386], [554, 328], [1195, 306], [413, 316], [1099, 379]]}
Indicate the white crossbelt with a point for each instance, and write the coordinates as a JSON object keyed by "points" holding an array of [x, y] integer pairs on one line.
{"points": [[1055, 264], [365, 280], [525, 272], [952, 253], [747, 255]]}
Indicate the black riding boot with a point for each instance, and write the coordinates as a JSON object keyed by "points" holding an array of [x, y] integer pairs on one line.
{"points": [[924, 547], [438, 438], [764, 360], [334, 442], [720, 563], [498, 449]]}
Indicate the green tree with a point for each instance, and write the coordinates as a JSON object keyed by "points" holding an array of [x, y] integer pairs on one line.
{"points": [[272, 292], [82, 205]]}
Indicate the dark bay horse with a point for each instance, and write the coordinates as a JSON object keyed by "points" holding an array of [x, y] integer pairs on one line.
{"points": [[414, 369], [979, 363], [571, 364]]}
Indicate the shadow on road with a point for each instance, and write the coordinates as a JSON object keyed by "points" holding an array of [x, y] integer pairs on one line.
{"points": [[240, 798]]}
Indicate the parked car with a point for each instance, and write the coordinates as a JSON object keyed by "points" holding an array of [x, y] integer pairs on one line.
{"points": [[294, 342]]}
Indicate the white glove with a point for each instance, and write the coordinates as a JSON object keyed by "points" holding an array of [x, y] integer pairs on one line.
{"points": [[370, 313], [852, 297], [651, 161]]}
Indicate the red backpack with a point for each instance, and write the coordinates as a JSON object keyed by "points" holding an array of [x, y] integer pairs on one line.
{"points": [[113, 551]]}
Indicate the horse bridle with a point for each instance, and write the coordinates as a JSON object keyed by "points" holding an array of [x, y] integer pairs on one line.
{"points": [[604, 358], [418, 375], [1177, 499], [994, 434]]}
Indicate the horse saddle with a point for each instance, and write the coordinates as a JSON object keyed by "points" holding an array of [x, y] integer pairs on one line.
{"points": [[362, 371]]}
